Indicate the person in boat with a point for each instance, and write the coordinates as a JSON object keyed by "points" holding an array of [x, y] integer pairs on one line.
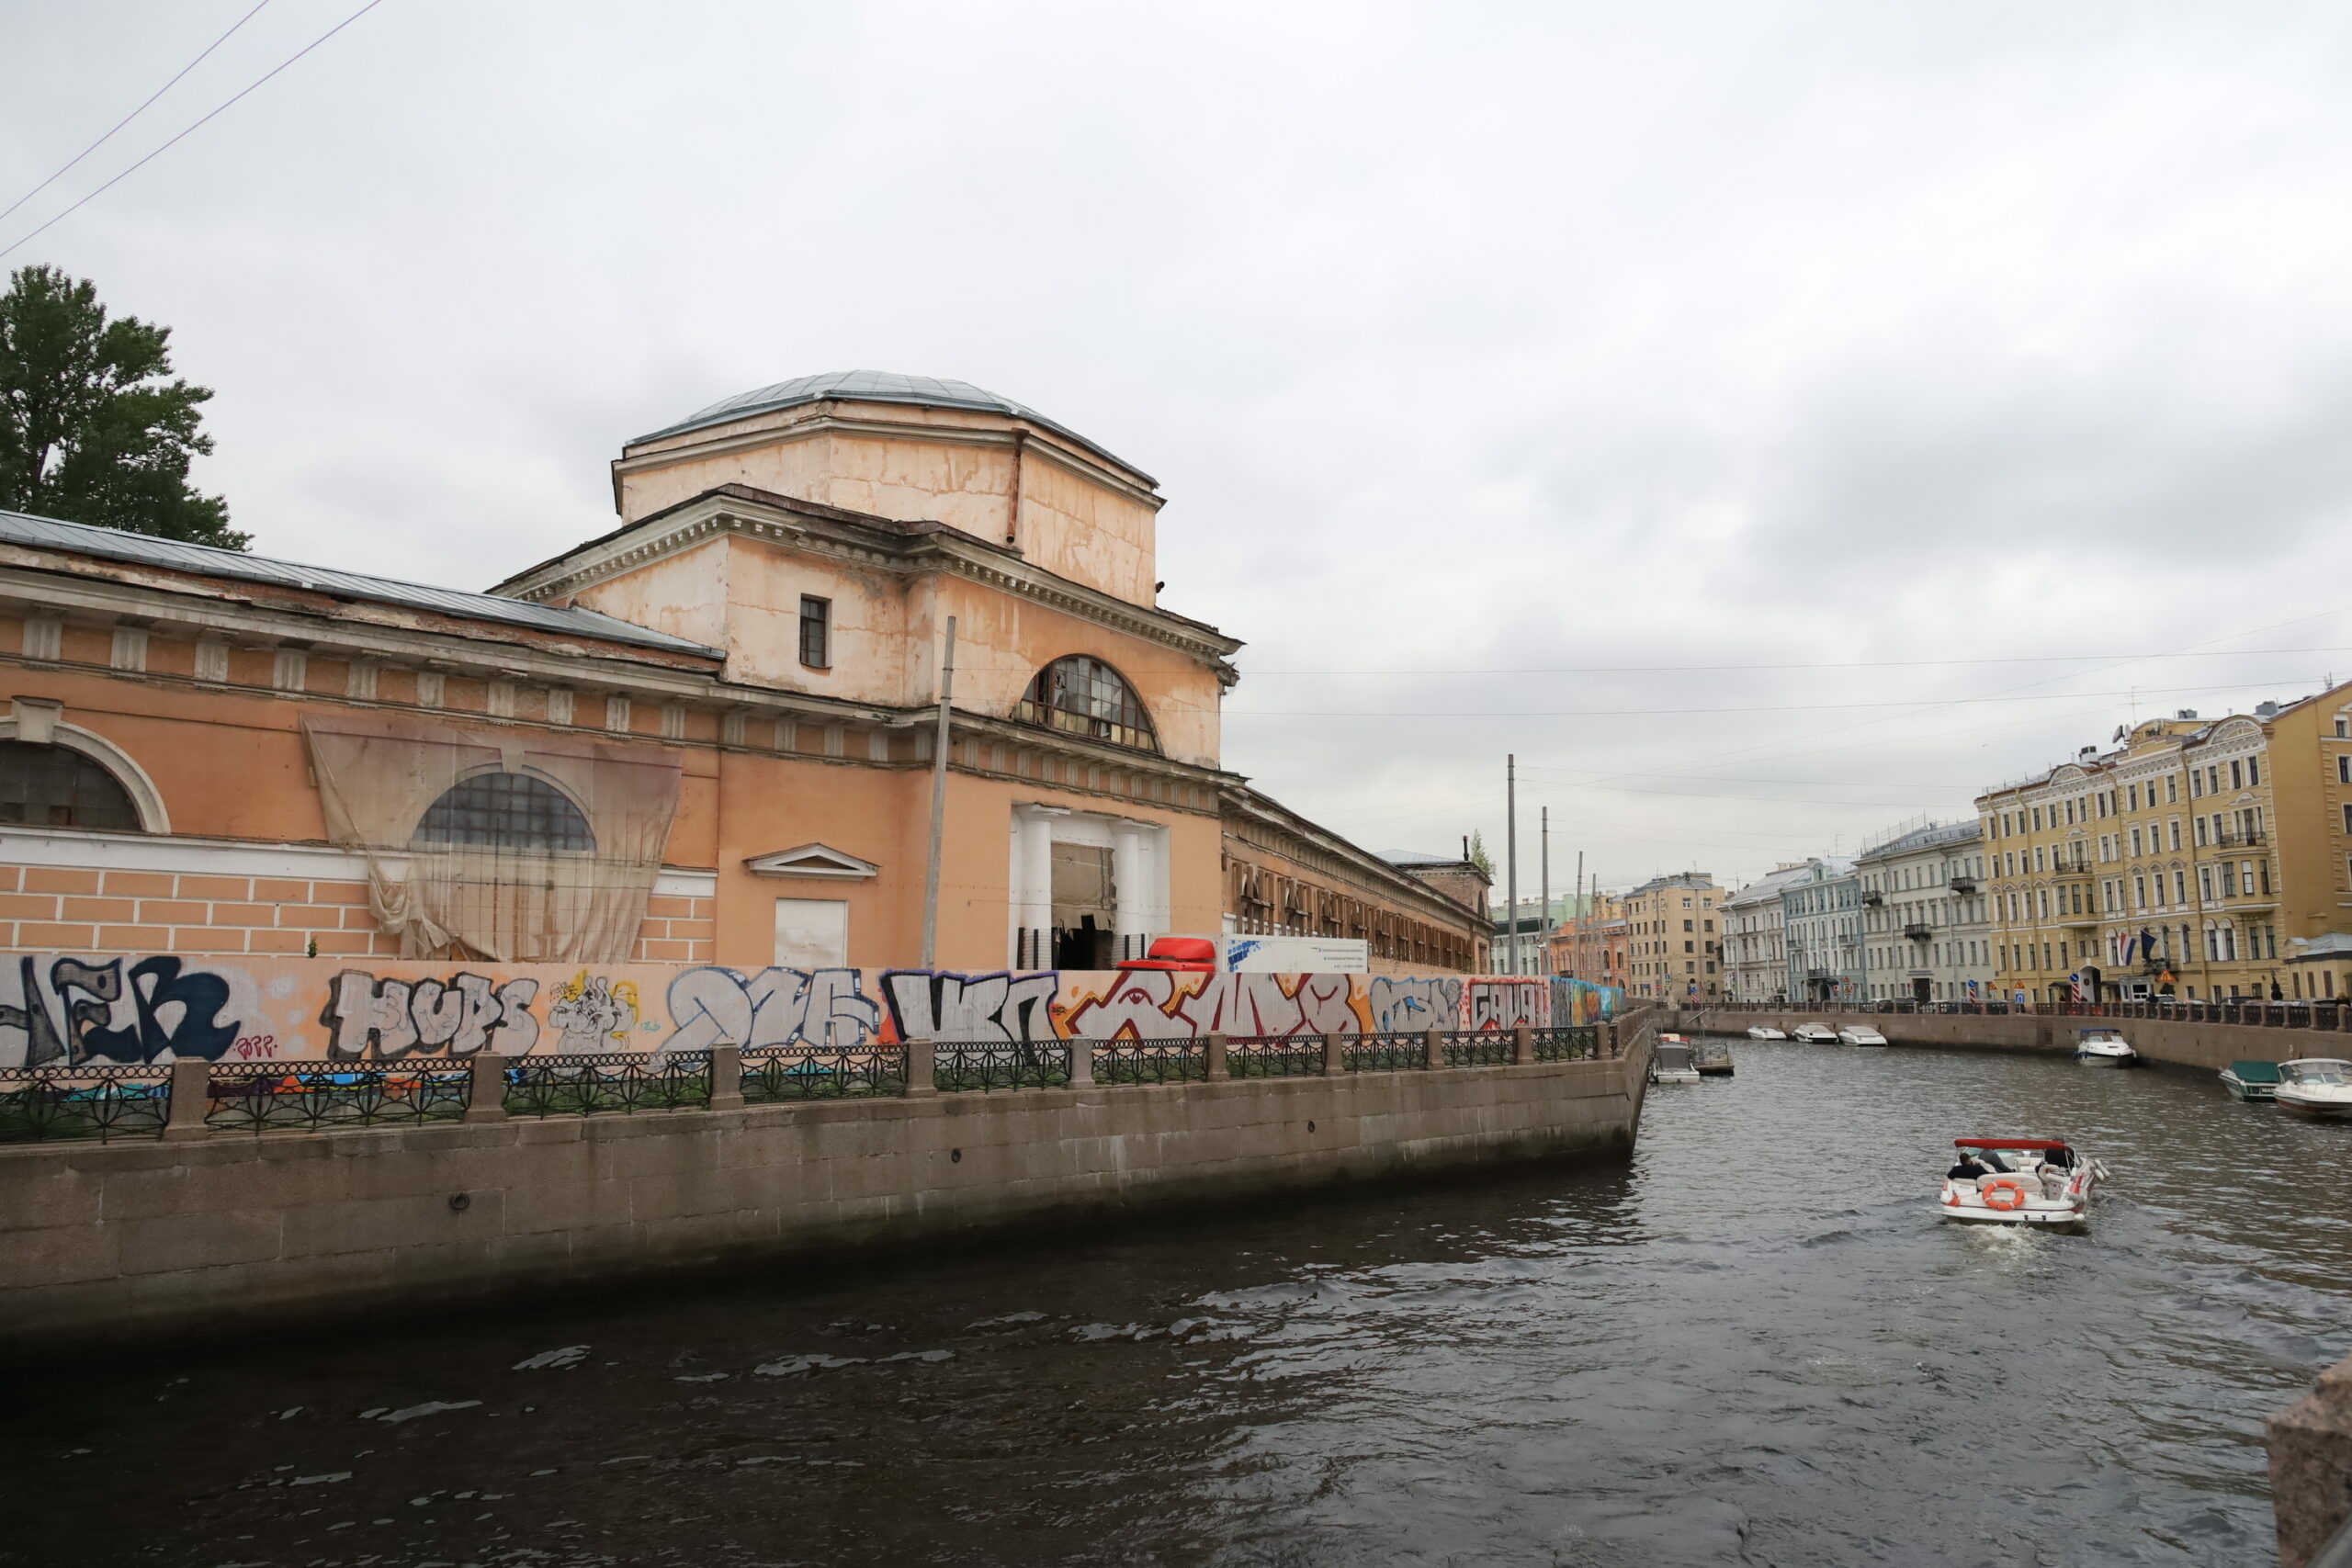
{"points": [[2059, 1158], [1969, 1168]]}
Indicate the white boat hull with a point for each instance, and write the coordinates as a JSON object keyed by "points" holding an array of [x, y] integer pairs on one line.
{"points": [[2310, 1107], [2106, 1059], [1676, 1075], [2065, 1216], [1965, 1206]]}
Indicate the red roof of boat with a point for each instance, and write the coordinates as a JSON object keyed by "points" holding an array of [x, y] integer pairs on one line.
{"points": [[2008, 1143]]}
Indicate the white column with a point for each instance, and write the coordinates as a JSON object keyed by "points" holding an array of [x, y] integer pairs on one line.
{"points": [[1033, 886]]}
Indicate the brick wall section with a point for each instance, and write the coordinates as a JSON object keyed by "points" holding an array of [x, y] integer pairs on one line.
{"points": [[46, 909]]}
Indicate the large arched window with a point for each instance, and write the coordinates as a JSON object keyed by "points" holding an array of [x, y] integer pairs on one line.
{"points": [[53, 787], [1086, 697], [505, 811]]}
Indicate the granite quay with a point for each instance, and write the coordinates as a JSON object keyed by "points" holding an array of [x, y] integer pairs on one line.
{"points": [[2191, 1034], [197, 1194]]}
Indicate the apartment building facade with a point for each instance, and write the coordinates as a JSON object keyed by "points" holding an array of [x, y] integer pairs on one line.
{"points": [[1675, 950], [1821, 922], [1756, 960], [1926, 915]]}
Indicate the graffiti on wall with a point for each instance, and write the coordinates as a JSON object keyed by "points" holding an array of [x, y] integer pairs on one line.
{"points": [[62, 1009]]}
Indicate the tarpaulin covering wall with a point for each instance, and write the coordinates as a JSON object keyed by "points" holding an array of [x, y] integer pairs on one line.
{"points": [[538, 849], [58, 1009]]}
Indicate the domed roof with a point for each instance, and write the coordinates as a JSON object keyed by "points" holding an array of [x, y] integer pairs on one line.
{"points": [[876, 387]]}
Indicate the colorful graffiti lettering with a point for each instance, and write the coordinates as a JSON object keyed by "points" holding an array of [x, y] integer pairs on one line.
{"points": [[999, 1009], [92, 1009], [1162, 1004], [1400, 1006], [711, 1006], [389, 1019], [590, 1012]]}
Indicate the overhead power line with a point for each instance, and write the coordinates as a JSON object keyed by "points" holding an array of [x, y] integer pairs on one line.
{"points": [[198, 125], [134, 114]]}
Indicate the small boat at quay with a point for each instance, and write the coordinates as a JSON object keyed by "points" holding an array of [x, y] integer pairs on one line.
{"points": [[1764, 1032], [2104, 1048], [2251, 1080], [1711, 1058], [1670, 1061], [2020, 1181], [1860, 1034], [1813, 1034], [2319, 1088]]}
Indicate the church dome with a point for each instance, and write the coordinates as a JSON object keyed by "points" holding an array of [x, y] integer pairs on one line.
{"points": [[877, 386]]}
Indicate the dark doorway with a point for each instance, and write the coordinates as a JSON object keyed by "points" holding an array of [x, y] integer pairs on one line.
{"points": [[1922, 991]]}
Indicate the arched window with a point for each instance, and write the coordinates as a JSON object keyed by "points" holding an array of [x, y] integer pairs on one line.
{"points": [[53, 787], [505, 811], [1086, 697]]}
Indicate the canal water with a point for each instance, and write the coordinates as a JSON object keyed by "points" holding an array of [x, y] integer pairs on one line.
{"points": [[1753, 1343]]}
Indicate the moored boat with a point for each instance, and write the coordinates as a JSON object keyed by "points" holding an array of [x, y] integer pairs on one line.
{"points": [[2251, 1080], [1860, 1034], [1813, 1034], [1764, 1032], [2103, 1047], [1711, 1058], [2020, 1181], [1670, 1061], [2319, 1088]]}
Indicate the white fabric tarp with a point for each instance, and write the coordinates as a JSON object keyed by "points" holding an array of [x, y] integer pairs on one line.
{"points": [[379, 773]]}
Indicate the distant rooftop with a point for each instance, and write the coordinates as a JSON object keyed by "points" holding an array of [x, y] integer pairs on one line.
{"points": [[1415, 857], [877, 386], [207, 560]]}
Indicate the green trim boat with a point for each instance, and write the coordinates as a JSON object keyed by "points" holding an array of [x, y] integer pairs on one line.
{"points": [[2251, 1080]]}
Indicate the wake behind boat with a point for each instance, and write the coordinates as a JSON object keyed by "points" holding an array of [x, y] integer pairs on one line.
{"points": [[2020, 1181]]}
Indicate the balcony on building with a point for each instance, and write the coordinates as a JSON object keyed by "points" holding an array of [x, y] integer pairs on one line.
{"points": [[1873, 898], [2241, 839], [1962, 883], [1919, 931]]}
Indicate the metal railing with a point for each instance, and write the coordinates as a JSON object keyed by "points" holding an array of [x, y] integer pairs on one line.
{"points": [[38, 1104], [107, 1101], [2326, 1015], [786, 1073], [584, 1085], [309, 1097], [1150, 1061], [977, 1069]]}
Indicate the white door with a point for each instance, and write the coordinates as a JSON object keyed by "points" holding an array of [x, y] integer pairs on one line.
{"points": [[812, 934]]}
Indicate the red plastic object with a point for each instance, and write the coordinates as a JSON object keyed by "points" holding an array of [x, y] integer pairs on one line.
{"points": [[1185, 954]]}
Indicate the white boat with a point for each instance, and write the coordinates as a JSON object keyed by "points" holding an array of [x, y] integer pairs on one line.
{"points": [[2251, 1080], [1860, 1034], [1813, 1034], [1764, 1032], [2104, 1048], [2316, 1086], [2025, 1182], [1671, 1063]]}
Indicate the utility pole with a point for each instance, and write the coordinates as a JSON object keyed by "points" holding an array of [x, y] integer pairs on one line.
{"points": [[1510, 853], [1583, 916], [1544, 920], [938, 804]]}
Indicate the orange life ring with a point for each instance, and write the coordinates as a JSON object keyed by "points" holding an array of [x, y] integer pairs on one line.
{"points": [[2003, 1184]]}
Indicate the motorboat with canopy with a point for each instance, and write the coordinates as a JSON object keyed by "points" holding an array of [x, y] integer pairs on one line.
{"points": [[1670, 1061], [2251, 1080], [2104, 1047], [2020, 1181]]}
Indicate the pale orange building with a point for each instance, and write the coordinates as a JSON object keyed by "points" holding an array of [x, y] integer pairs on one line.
{"points": [[705, 735]]}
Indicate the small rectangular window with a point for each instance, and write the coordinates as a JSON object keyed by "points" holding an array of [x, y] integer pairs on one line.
{"points": [[816, 632], [2172, 789], [2344, 765], [2237, 775], [2253, 772]]}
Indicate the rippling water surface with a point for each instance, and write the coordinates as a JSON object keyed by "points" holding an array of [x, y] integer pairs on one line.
{"points": [[1754, 1344]]}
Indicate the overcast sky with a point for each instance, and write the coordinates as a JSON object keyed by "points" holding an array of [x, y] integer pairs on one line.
{"points": [[1475, 346]]}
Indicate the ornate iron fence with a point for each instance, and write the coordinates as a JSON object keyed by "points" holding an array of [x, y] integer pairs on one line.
{"points": [[1481, 1048], [577, 1086], [1273, 1055], [1580, 1043], [261, 1097], [804, 1072], [960, 1068], [41, 1103], [1152, 1061], [1390, 1052]]}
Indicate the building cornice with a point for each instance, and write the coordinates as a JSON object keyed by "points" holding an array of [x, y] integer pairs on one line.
{"points": [[874, 543]]}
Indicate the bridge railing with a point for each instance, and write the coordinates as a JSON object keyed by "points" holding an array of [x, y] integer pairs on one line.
{"points": [[101, 1102]]}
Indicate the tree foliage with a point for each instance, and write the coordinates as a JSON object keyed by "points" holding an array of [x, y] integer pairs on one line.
{"points": [[1478, 856], [91, 430]]}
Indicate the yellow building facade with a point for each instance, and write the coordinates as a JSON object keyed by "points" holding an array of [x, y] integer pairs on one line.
{"points": [[2201, 858]]}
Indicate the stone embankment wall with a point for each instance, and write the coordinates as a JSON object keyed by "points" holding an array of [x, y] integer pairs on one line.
{"points": [[2311, 1468], [2178, 1042], [100, 1239]]}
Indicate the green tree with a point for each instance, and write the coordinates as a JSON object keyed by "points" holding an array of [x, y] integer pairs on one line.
{"points": [[1477, 856], [91, 430]]}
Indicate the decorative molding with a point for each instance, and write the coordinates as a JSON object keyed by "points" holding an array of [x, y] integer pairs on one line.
{"points": [[211, 660], [674, 721], [616, 713], [432, 689], [560, 704], [498, 699], [129, 650], [44, 636], [289, 670], [359, 679], [813, 859]]}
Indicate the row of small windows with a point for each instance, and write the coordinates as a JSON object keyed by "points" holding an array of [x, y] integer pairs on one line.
{"points": [[2112, 802]]}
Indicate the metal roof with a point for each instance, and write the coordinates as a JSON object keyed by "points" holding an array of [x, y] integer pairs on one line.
{"points": [[207, 560], [877, 386]]}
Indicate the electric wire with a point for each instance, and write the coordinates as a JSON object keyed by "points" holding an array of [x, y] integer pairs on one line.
{"points": [[198, 125], [134, 114]]}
